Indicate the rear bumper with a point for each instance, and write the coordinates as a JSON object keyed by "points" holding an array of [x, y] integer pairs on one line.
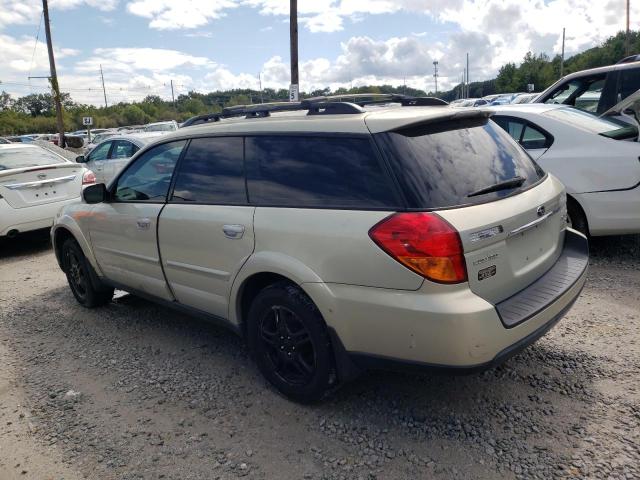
{"points": [[448, 327], [29, 218]]}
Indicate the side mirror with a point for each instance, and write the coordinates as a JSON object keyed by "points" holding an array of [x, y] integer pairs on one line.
{"points": [[95, 193], [81, 159]]}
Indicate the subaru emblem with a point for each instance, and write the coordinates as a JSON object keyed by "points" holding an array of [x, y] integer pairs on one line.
{"points": [[541, 210]]}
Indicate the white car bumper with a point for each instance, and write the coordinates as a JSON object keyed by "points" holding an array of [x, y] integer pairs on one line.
{"points": [[29, 218]]}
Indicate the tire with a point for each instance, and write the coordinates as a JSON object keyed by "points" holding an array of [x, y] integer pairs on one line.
{"points": [[576, 218], [84, 284], [289, 341]]}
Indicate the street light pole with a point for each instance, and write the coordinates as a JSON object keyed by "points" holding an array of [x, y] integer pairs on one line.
{"points": [[435, 74], [54, 76]]}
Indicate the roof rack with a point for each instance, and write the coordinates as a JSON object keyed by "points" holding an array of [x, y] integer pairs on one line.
{"points": [[326, 105]]}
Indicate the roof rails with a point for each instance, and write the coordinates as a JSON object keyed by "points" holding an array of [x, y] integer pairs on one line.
{"points": [[326, 105]]}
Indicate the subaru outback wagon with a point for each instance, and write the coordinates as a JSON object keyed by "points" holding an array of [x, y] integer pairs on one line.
{"points": [[337, 236]]}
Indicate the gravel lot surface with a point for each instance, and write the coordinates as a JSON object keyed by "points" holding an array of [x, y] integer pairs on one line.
{"points": [[133, 391]]}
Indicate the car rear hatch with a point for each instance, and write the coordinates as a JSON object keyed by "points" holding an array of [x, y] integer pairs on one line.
{"points": [[508, 213], [27, 187]]}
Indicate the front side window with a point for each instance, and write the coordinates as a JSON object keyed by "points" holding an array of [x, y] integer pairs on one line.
{"points": [[100, 152], [123, 149], [148, 178], [321, 172], [212, 171]]}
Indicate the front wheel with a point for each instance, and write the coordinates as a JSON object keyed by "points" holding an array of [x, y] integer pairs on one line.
{"points": [[88, 293], [290, 343]]}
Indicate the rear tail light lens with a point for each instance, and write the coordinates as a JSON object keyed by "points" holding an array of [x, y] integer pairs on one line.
{"points": [[424, 243], [88, 178]]}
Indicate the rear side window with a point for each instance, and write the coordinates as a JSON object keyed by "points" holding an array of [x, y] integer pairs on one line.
{"points": [[323, 172], [122, 149], [211, 172], [442, 165]]}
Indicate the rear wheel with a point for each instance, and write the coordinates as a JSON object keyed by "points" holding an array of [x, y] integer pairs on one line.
{"points": [[82, 280], [290, 342], [576, 218]]}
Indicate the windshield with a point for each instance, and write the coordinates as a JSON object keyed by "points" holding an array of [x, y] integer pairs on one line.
{"points": [[607, 127], [161, 127], [446, 164], [27, 157]]}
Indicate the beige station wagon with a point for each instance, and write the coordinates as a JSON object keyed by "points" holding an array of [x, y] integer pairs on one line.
{"points": [[337, 236]]}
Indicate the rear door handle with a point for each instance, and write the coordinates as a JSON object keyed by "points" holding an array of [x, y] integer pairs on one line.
{"points": [[233, 231], [143, 223]]}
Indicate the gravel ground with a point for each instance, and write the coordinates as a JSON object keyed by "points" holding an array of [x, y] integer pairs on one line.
{"points": [[133, 391]]}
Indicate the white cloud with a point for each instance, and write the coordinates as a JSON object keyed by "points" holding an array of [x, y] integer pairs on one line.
{"points": [[21, 12], [172, 15]]}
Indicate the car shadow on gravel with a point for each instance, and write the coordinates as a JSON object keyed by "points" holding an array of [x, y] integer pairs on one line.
{"points": [[26, 244], [615, 250]]}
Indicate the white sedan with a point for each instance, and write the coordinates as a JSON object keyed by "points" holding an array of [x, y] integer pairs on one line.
{"points": [[34, 184], [596, 158]]}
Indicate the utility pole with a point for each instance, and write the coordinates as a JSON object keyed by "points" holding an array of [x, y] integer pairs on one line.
{"points": [[627, 47], [173, 98], [562, 59], [468, 84], [294, 89], [103, 89], [260, 84], [54, 76], [435, 74]]}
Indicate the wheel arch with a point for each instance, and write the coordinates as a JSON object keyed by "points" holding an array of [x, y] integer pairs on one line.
{"points": [[573, 202]]}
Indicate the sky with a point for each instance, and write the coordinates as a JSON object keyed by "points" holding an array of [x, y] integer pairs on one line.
{"points": [[205, 45]]}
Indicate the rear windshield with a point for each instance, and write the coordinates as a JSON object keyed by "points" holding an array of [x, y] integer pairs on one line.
{"points": [[27, 157], [607, 127], [445, 164]]}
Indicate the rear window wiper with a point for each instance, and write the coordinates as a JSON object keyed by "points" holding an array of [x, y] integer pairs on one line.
{"points": [[504, 185]]}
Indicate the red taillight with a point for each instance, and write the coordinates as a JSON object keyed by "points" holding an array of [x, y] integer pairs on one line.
{"points": [[423, 242], [88, 178]]}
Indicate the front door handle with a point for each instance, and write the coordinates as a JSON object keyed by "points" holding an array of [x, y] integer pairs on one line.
{"points": [[233, 231]]}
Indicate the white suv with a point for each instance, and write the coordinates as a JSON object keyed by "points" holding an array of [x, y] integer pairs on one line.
{"points": [[336, 238]]}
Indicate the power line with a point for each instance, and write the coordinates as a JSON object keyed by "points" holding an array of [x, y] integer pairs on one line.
{"points": [[35, 44]]}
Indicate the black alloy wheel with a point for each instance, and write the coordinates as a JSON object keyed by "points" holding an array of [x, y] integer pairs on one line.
{"points": [[290, 343]]}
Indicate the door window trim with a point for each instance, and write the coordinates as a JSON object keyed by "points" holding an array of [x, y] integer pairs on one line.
{"points": [[114, 184], [550, 139], [179, 163]]}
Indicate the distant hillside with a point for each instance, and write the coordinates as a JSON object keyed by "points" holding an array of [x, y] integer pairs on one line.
{"points": [[35, 113]]}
